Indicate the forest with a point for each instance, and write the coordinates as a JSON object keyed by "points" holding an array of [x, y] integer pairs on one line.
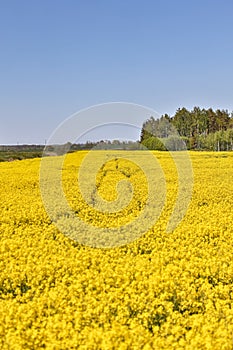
{"points": [[198, 129]]}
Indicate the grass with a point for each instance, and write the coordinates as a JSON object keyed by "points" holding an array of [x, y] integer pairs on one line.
{"points": [[12, 155]]}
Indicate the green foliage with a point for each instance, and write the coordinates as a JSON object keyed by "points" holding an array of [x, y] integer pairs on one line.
{"points": [[18, 155], [154, 143], [196, 129]]}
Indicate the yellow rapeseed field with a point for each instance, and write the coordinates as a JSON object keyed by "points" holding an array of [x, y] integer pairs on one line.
{"points": [[164, 290]]}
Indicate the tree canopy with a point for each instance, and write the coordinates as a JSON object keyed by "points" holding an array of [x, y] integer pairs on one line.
{"points": [[196, 129]]}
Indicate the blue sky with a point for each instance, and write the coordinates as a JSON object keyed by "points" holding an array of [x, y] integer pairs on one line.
{"points": [[57, 57]]}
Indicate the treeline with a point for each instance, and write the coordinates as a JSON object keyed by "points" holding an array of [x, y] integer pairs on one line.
{"points": [[22, 148], [198, 129], [89, 145], [20, 152]]}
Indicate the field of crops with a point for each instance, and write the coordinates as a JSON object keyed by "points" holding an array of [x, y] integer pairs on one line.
{"points": [[163, 290]]}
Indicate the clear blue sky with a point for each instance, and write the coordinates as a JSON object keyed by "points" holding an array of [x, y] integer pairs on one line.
{"points": [[59, 56]]}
